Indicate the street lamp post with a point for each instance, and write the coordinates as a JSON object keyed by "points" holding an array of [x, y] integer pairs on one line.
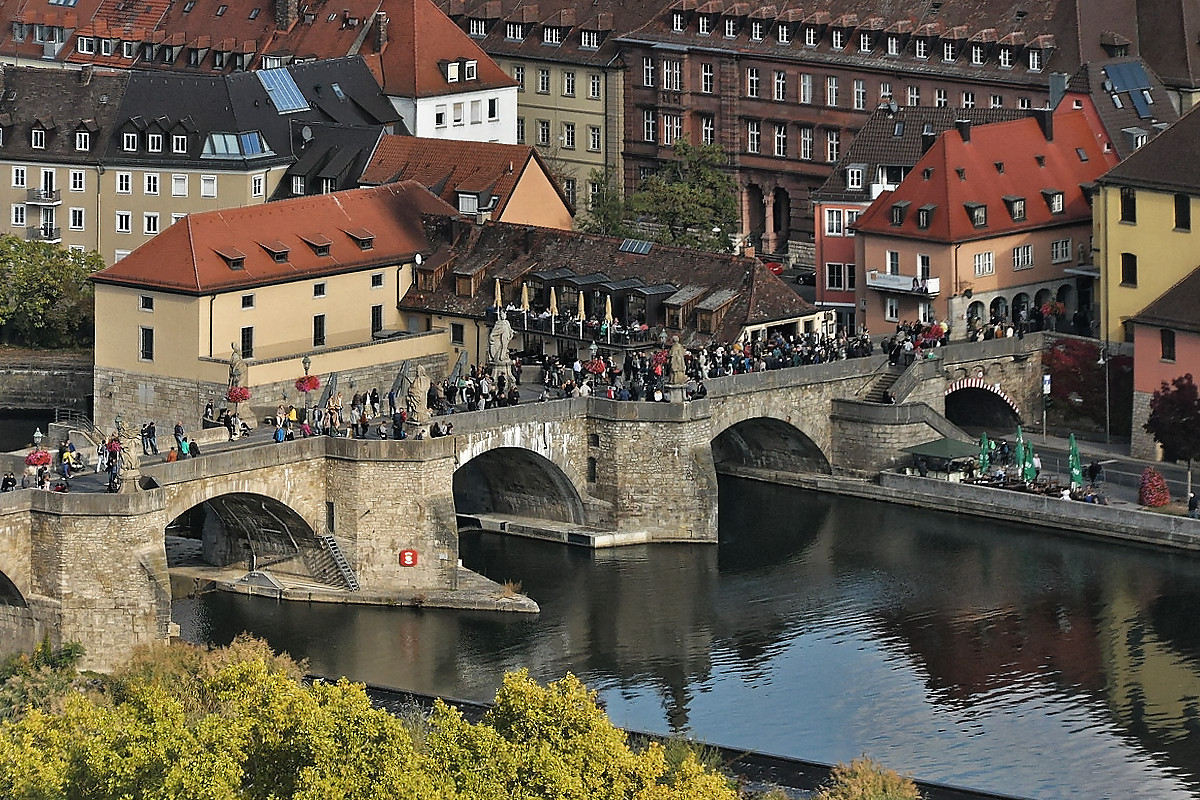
{"points": [[306, 362], [37, 437], [1105, 357]]}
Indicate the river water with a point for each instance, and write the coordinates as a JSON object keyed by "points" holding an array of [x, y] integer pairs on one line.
{"points": [[980, 654]]}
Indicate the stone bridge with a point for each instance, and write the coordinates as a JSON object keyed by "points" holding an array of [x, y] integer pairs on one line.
{"points": [[93, 568]]}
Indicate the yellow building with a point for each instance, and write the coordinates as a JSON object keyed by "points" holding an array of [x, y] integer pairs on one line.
{"points": [[1143, 225], [317, 277]]}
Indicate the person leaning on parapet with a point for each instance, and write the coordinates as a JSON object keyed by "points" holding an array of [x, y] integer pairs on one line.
{"points": [[1193, 505]]}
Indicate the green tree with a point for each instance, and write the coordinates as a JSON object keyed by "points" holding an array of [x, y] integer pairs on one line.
{"points": [[45, 294], [691, 200], [864, 779], [1174, 420], [607, 214]]}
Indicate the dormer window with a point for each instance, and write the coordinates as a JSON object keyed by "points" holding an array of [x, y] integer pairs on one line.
{"points": [[839, 39], [922, 48], [756, 30], [854, 178], [470, 71], [318, 243], [1016, 208], [514, 31], [129, 142], [552, 34], [106, 47], [1035, 60], [893, 45], [730, 28], [277, 249], [1054, 200], [468, 202], [589, 40], [83, 140], [478, 27], [154, 142], [704, 24], [898, 211], [949, 52], [362, 237], [678, 23], [233, 258], [925, 216], [452, 72], [976, 55], [85, 44], [977, 213], [179, 143], [37, 139], [783, 34], [810, 36], [864, 43], [1005, 58]]}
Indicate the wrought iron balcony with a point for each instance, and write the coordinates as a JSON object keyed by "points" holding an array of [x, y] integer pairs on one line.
{"points": [[43, 197], [42, 233], [903, 284]]}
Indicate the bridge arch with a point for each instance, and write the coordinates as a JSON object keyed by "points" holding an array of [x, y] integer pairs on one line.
{"points": [[976, 401], [185, 496], [515, 481], [767, 442]]}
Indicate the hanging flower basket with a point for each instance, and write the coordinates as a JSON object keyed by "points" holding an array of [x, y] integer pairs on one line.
{"points": [[113, 446], [38, 458], [237, 394], [309, 383], [659, 358], [1053, 309], [596, 366]]}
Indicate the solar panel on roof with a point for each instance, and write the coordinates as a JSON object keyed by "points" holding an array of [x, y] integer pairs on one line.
{"points": [[636, 246], [1126, 77], [282, 90], [1139, 103]]}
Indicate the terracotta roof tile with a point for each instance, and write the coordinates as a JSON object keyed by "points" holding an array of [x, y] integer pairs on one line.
{"points": [[421, 36], [193, 256]]}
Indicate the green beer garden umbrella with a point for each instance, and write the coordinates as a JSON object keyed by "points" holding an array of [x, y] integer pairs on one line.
{"points": [[1076, 466], [1019, 452], [1029, 472], [985, 456]]}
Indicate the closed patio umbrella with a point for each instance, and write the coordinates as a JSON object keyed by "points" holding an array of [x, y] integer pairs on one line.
{"points": [[985, 456], [553, 309], [608, 317], [1075, 465], [497, 301]]}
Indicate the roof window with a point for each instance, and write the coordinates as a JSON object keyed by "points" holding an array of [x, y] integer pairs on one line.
{"points": [[318, 242], [234, 258]]}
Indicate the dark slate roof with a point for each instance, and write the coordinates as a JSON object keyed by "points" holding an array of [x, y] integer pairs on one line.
{"points": [[1168, 29], [893, 137], [68, 101], [324, 150], [1119, 89], [518, 253], [204, 104], [1167, 163], [1177, 308]]}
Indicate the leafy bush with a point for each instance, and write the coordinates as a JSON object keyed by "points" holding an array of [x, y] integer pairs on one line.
{"points": [[865, 779]]}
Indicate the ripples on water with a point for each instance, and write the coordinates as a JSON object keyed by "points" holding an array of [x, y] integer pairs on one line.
{"points": [[977, 654]]}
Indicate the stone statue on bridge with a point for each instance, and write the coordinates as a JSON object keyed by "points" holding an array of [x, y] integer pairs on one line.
{"points": [[237, 367], [131, 472], [416, 400], [498, 340], [676, 371]]}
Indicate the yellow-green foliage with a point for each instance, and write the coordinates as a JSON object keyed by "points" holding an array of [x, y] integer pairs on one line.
{"points": [[236, 724], [865, 779]]}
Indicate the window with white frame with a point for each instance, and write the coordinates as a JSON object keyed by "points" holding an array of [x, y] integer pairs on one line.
{"points": [[997, 101], [1060, 251], [83, 140], [925, 311], [476, 112], [551, 34], [129, 142], [811, 39], [704, 24], [649, 126], [833, 222], [678, 22], [594, 86], [833, 146], [520, 130], [18, 177], [860, 95], [150, 183], [730, 27], [124, 222], [753, 136], [124, 182], [831, 90], [514, 31], [1022, 256], [913, 96], [76, 219], [179, 185], [891, 309], [208, 185], [708, 129], [1024, 103], [783, 34], [835, 277], [672, 74], [78, 180], [297, 185], [37, 139], [568, 83], [706, 78], [968, 99], [806, 143], [752, 82], [985, 264], [439, 116], [647, 71], [864, 43], [851, 218], [976, 54], [86, 45], [1005, 57], [781, 140], [893, 44], [892, 262], [806, 88], [949, 51], [839, 39], [18, 215], [594, 138], [924, 266], [756, 30], [518, 73], [589, 40], [543, 81], [921, 48], [568, 135], [1035, 60], [179, 143], [854, 179], [940, 100], [780, 85], [543, 132], [154, 142], [478, 27], [176, 216], [150, 223], [885, 90]]}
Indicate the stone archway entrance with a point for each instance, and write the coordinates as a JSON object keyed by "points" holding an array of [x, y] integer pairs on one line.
{"points": [[974, 402]]}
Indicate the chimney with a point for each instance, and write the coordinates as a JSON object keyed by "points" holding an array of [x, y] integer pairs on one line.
{"points": [[287, 12], [964, 128], [1045, 121], [928, 137], [1058, 87], [381, 26]]}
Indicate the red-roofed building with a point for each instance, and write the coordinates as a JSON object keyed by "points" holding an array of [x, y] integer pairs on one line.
{"points": [[316, 276], [488, 180], [991, 224]]}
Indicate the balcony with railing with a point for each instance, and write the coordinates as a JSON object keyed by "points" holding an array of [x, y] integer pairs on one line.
{"points": [[43, 233], [903, 284], [43, 197]]}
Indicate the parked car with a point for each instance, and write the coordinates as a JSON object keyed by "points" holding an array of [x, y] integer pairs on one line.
{"points": [[775, 267], [806, 278]]}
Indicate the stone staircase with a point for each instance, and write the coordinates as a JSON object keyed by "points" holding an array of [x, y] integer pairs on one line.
{"points": [[877, 393]]}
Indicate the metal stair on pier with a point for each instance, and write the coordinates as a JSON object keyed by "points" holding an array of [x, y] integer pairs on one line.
{"points": [[330, 548]]}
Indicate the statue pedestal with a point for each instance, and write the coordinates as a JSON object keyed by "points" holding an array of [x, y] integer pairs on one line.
{"points": [[503, 368], [417, 430], [676, 392], [131, 480]]}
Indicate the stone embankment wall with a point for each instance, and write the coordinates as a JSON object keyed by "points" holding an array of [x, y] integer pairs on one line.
{"points": [[45, 379]]}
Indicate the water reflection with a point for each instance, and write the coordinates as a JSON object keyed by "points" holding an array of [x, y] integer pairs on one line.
{"points": [[975, 653]]}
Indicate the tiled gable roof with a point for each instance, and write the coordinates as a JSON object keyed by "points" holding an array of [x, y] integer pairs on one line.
{"points": [[1176, 307], [1129, 98], [1167, 163], [69, 102], [200, 253], [422, 37], [999, 164], [447, 167]]}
